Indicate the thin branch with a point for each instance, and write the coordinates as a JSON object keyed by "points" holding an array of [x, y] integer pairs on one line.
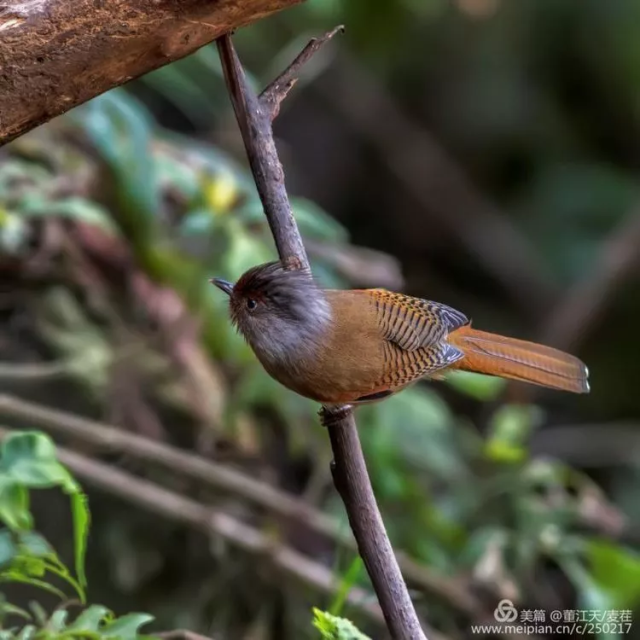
{"points": [[277, 91], [351, 470], [255, 125], [180, 634], [582, 307], [167, 504], [189, 465], [579, 310], [366, 522], [453, 592], [19, 371]]}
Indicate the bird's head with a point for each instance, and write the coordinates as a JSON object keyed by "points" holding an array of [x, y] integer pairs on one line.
{"points": [[277, 310]]}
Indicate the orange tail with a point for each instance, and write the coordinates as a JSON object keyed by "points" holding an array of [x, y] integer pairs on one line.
{"points": [[520, 360]]}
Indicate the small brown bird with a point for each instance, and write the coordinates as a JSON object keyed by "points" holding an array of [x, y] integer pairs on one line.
{"points": [[346, 347]]}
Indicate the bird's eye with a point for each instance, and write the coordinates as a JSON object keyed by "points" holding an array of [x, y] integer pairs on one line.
{"points": [[251, 304]]}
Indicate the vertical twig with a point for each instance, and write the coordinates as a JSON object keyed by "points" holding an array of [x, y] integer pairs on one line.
{"points": [[352, 481], [349, 469]]}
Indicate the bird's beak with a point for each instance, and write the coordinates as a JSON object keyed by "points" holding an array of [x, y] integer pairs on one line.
{"points": [[227, 287]]}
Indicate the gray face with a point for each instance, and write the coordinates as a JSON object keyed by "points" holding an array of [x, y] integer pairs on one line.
{"points": [[282, 314]]}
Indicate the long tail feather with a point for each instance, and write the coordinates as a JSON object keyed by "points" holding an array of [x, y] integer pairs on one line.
{"points": [[497, 355]]}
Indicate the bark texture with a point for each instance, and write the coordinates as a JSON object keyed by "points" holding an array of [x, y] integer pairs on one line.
{"points": [[57, 54]]}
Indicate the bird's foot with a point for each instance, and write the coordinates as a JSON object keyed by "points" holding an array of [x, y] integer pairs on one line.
{"points": [[333, 414]]}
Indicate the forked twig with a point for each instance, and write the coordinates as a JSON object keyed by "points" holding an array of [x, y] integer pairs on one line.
{"points": [[277, 91]]}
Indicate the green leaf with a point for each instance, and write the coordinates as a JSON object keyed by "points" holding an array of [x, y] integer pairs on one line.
{"points": [[334, 628], [22, 445], [14, 505], [412, 427], [14, 576], [8, 609], [346, 582], [27, 633], [29, 457], [591, 595], [616, 570], [39, 613], [126, 627], [33, 544], [30, 565], [90, 619], [81, 523], [509, 431], [58, 620], [119, 127], [41, 474]]}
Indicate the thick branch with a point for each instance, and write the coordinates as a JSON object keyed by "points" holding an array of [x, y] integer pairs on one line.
{"points": [[254, 119], [57, 54]]}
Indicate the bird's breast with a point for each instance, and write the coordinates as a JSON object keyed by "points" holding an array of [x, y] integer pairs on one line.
{"points": [[341, 363]]}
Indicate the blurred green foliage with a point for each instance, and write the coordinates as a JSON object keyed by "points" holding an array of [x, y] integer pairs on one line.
{"points": [[28, 461]]}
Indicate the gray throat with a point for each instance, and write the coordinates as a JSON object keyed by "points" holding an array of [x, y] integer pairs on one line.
{"points": [[289, 341]]}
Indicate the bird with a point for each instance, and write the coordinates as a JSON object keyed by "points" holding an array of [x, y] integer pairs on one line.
{"points": [[355, 346]]}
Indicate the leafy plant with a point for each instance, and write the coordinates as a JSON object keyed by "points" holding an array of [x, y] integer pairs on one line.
{"points": [[334, 628], [94, 623], [28, 462]]}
